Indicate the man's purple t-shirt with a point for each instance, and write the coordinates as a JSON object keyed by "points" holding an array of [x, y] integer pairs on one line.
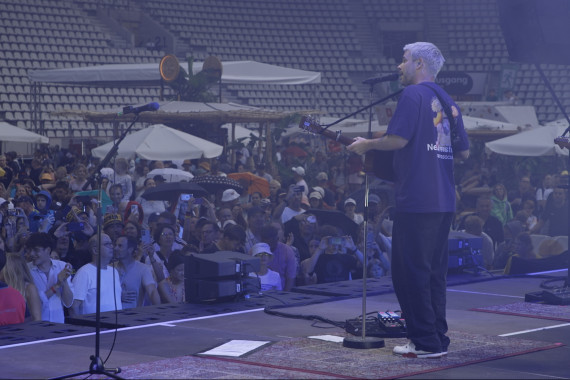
{"points": [[284, 262], [424, 167]]}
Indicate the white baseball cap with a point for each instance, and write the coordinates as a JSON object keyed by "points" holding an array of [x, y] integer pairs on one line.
{"points": [[299, 170], [229, 195], [260, 248]]}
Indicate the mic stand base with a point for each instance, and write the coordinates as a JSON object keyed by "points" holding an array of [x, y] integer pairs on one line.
{"points": [[95, 368], [366, 342]]}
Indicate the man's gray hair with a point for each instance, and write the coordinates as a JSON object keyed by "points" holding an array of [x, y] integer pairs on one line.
{"points": [[430, 54]]}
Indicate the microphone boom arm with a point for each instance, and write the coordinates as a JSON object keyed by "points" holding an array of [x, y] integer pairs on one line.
{"points": [[94, 178]]}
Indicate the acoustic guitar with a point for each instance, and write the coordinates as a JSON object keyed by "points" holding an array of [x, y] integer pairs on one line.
{"points": [[377, 162]]}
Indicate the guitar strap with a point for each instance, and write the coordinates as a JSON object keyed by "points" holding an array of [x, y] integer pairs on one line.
{"points": [[448, 112]]}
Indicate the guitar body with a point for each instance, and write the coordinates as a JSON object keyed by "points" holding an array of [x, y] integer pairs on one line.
{"points": [[380, 163], [377, 162]]}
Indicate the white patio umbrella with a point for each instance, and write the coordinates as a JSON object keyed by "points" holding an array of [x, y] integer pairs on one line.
{"points": [[159, 142], [533, 142], [9, 132], [171, 174]]}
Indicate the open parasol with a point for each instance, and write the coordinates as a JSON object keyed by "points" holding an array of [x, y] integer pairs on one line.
{"points": [[253, 182], [213, 183], [171, 174], [337, 219], [171, 192]]}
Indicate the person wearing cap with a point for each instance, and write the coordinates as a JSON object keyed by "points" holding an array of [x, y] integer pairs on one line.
{"points": [[284, 260], [316, 200], [374, 207], [47, 181], [298, 178], [322, 182], [269, 280], [349, 210], [230, 198], [425, 141], [204, 165], [113, 226], [24, 202]]}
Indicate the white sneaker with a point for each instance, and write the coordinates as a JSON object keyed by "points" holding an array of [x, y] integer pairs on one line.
{"points": [[409, 351]]}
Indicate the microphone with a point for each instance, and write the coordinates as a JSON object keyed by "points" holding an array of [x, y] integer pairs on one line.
{"points": [[386, 78], [136, 110]]}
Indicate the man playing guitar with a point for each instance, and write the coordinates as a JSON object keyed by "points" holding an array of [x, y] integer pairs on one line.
{"points": [[424, 140]]}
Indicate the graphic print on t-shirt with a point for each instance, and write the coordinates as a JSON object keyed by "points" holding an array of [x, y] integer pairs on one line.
{"points": [[441, 124]]}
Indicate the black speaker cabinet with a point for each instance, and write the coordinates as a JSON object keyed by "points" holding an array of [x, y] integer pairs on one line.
{"points": [[536, 31], [219, 264]]}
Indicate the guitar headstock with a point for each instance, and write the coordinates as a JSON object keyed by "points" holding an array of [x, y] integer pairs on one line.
{"points": [[309, 124]]}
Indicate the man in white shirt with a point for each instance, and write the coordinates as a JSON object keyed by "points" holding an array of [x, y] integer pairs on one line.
{"points": [[52, 277], [85, 281]]}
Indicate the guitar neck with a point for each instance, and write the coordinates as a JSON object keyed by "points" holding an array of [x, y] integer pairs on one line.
{"points": [[344, 140]]}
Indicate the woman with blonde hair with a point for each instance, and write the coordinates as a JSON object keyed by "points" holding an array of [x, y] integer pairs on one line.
{"points": [[17, 275], [79, 178]]}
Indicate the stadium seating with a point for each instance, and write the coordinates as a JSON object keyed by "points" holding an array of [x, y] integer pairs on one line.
{"points": [[342, 39]]}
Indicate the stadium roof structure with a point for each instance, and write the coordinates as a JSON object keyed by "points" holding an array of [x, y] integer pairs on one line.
{"points": [[147, 74], [173, 112]]}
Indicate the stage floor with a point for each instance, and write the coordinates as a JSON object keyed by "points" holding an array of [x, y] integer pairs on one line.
{"points": [[43, 350]]}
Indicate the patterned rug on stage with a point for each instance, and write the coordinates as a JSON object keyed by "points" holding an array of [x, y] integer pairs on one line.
{"points": [[531, 310], [317, 359]]}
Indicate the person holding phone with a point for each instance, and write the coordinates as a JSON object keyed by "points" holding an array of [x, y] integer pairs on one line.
{"points": [[134, 212], [290, 206], [52, 277], [335, 258]]}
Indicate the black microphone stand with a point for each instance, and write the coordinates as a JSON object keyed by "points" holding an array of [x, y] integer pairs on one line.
{"points": [[363, 341], [97, 366]]}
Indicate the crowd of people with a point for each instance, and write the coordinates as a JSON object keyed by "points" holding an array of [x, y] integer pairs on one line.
{"points": [[506, 219], [49, 225], [53, 237]]}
